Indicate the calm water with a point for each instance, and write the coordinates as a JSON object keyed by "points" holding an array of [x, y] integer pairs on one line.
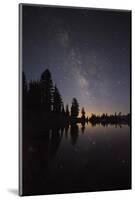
{"points": [[77, 158]]}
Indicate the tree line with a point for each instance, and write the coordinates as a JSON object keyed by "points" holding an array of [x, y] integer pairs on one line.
{"points": [[45, 97], [117, 118]]}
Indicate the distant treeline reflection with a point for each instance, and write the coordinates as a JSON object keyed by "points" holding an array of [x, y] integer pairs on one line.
{"points": [[43, 104], [53, 136]]}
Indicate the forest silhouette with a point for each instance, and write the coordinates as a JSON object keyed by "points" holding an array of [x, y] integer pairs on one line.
{"points": [[48, 124], [43, 103]]}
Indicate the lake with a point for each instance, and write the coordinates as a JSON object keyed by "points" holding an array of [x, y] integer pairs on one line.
{"points": [[77, 159]]}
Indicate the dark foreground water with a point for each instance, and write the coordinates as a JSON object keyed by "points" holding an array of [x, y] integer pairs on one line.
{"points": [[77, 159]]}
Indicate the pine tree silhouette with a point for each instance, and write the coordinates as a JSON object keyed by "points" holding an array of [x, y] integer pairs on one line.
{"points": [[57, 101], [74, 108], [67, 111], [83, 114], [34, 95], [63, 110], [46, 91], [25, 90]]}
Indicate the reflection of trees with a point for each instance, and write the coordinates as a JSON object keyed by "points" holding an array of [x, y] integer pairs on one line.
{"points": [[37, 154], [61, 131], [93, 123], [54, 141], [67, 111], [46, 144], [66, 130], [83, 128], [74, 133]]}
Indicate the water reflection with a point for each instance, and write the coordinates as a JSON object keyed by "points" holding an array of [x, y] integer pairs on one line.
{"points": [[66, 130], [54, 140], [83, 128], [50, 139], [74, 133], [63, 158]]}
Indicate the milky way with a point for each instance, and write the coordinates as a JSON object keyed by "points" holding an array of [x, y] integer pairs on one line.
{"points": [[87, 52]]}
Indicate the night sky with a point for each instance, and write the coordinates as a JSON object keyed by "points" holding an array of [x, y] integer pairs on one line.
{"points": [[87, 52]]}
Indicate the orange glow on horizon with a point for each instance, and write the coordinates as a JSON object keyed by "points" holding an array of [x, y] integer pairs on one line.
{"points": [[96, 112]]}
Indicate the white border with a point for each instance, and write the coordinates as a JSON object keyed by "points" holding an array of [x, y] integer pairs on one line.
{"points": [[9, 97]]}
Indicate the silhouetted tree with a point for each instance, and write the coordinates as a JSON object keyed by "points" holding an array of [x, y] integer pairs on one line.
{"points": [[63, 110], [34, 95], [93, 117], [119, 114], [83, 114], [24, 82], [25, 89], [67, 111], [46, 91], [127, 119], [87, 119], [74, 108], [57, 101], [106, 119], [103, 116]]}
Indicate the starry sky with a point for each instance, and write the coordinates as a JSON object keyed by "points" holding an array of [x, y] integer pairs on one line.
{"points": [[87, 52]]}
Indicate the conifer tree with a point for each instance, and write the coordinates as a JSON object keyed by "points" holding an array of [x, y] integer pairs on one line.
{"points": [[74, 108], [46, 91], [57, 101]]}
